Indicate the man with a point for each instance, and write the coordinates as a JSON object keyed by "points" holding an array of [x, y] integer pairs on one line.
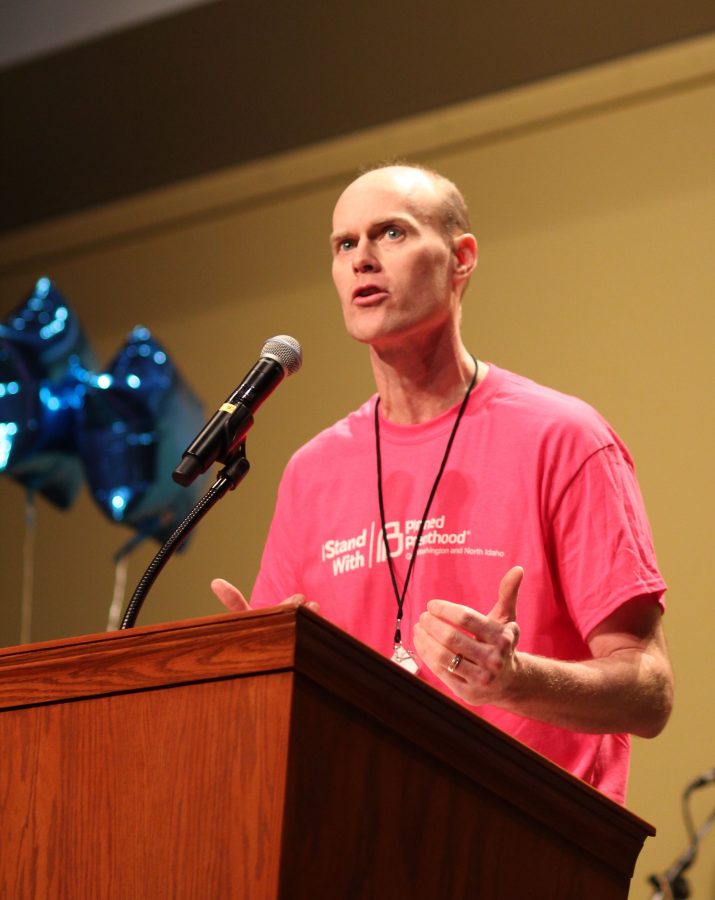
{"points": [[416, 522]]}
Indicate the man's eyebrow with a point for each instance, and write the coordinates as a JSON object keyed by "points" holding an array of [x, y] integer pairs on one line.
{"points": [[398, 219], [337, 236]]}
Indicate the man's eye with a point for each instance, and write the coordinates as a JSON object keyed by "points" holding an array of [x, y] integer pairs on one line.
{"points": [[346, 244], [392, 232]]}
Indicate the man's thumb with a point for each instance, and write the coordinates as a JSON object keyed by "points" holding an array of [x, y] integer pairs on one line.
{"points": [[229, 595], [504, 609]]}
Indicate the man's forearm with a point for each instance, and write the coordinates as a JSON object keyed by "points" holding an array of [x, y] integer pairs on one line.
{"points": [[627, 691]]}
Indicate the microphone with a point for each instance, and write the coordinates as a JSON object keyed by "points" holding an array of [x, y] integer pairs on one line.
{"points": [[224, 432]]}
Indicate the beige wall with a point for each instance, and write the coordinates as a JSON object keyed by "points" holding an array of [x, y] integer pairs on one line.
{"points": [[594, 200]]}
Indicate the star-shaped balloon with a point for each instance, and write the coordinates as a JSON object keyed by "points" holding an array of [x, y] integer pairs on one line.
{"points": [[43, 355]]}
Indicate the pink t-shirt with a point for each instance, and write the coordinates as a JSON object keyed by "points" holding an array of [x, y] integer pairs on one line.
{"points": [[534, 478]]}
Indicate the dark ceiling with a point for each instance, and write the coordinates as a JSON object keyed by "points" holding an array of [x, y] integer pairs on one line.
{"points": [[230, 81]]}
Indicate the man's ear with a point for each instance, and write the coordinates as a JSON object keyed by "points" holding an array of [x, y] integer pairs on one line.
{"points": [[466, 252]]}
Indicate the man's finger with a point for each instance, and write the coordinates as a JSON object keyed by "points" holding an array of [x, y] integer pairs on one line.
{"points": [[229, 595], [300, 600]]}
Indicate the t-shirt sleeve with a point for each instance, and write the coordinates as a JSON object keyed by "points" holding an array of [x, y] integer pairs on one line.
{"points": [[601, 542]]}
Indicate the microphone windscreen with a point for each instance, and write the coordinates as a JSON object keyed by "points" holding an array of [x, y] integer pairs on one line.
{"points": [[286, 351]]}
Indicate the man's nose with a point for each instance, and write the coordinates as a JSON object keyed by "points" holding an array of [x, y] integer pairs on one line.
{"points": [[365, 258]]}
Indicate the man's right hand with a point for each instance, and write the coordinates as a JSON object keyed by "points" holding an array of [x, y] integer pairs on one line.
{"points": [[234, 600]]}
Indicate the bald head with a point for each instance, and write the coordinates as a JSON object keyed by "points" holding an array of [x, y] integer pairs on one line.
{"points": [[431, 196]]}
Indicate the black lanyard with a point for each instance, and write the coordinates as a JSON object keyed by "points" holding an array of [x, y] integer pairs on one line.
{"points": [[400, 596]]}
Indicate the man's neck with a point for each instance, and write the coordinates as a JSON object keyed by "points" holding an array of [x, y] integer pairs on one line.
{"points": [[416, 386]]}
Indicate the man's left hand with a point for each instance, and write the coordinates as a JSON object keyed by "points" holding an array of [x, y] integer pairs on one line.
{"points": [[474, 654]]}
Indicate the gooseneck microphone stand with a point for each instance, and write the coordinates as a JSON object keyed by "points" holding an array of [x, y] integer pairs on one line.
{"points": [[228, 478]]}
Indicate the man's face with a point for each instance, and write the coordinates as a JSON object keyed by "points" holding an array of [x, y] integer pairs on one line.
{"points": [[393, 267]]}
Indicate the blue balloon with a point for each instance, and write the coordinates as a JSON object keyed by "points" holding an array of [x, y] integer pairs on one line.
{"points": [[135, 422], [44, 357]]}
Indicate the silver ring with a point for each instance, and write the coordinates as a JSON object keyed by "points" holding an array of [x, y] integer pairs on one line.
{"points": [[454, 663]]}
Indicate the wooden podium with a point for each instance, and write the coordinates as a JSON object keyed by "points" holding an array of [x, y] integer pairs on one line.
{"points": [[268, 755]]}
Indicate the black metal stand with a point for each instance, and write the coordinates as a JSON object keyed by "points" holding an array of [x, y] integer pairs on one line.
{"points": [[672, 884], [228, 478]]}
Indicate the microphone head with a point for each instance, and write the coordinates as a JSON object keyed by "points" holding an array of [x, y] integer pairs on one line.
{"points": [[285, 351]]}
